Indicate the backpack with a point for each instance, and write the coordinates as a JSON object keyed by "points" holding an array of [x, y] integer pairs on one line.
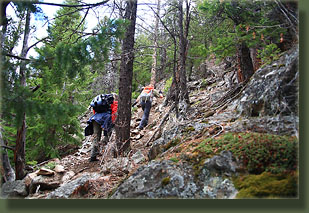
{"points": [[146, 94], [102, 103]]}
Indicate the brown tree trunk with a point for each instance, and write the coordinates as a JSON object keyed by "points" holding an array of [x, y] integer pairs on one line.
{"points": [[255, 60], [125, 80], [245, 66], [19, 153], [154, 71]]}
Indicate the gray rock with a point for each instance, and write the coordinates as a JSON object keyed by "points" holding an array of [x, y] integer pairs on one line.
{"points": [[158, 180], [165, 179], [66, 190], [14, 189], [138, 157], [273, 89], [43, 183], [223, 163]]}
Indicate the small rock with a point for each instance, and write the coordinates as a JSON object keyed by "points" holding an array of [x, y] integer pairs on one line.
{"points": [[67, 176], [138, 157], [59, 169], [45, 172]]}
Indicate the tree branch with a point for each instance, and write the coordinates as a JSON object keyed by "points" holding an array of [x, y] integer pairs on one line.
{"points": [[76, 5], [43, 39], [7, 147], [17, 57]]}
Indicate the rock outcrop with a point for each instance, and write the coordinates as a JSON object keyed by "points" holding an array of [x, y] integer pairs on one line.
{"points": [[165, 179]]}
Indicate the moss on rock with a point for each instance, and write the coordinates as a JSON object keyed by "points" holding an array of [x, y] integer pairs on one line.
{"points": [[267, 185]]}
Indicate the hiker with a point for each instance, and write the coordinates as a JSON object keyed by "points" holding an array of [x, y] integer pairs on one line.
{"points": [[114, 107], [104, 108], [145, 100]]}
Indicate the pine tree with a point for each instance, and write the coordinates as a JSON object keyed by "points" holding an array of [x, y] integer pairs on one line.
{"points": [[125, 81]]}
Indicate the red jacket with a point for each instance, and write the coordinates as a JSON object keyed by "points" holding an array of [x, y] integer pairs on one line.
{"points": [[114, 107]]}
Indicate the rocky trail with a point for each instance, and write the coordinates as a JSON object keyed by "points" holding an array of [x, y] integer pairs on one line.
{"points": [[167, 167]]}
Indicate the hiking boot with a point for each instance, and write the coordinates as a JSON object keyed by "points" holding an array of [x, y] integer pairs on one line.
{"points": [[105, 140], [92, 159]]}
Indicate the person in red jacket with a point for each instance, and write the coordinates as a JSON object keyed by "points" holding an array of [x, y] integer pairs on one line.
{"points": [[103, 119], [114, 107]]}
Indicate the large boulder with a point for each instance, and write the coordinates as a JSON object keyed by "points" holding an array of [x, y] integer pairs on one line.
{"points": [[273, 89], [14, 189], [165, 179], [158, 180]]}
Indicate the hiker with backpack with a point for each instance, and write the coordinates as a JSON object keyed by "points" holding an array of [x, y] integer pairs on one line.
{"points": [[105, 109], [145, 100]]}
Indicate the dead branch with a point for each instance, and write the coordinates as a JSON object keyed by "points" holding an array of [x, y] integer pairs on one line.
{"points": [[160, 125]]}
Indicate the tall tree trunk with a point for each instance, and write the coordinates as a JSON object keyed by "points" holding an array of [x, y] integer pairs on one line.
{"points": [[125, 79], [245, 66], [19, 153], [184, 95], [154, 70], [160, 72]]}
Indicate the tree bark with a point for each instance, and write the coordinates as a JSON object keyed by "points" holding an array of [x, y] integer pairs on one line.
{"points": [[153, 79], [245, 66], [19, 153], [184, 96], [125, 80]]}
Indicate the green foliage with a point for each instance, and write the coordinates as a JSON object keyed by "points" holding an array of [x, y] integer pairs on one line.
{"points": [[32, 163], [61, 74], [167, 85], [50, 165], [269, 53], [142, 63], [236, 22], [174, 159], [257, 152]]}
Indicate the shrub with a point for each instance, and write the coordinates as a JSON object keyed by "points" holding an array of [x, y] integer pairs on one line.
{"points": [[258, 152]]}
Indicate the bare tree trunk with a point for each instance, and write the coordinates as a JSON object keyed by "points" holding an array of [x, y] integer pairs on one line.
{"points": [[154, 71], [19, 153], [125, 80], [160, 72], [184, 96], [256, 62]]}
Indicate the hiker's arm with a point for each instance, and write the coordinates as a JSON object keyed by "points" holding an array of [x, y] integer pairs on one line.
{"points": [[157, 94], [136, 101]]}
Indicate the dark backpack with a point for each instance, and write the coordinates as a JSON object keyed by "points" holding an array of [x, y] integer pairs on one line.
{"points": [[102, 103]]}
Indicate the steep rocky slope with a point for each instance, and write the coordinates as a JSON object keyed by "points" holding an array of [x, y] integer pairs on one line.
{"points": [[186, 157]]}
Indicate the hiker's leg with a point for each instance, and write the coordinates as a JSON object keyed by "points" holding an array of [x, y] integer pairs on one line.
{"points": [[145, 117], [141, 125], [97, 131]]}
